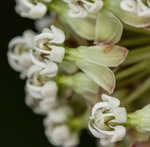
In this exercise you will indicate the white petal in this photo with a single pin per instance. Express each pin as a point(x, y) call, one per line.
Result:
point(111, 100)
point(49, 89)
point(119, 134)
point(58, 35)
point(128, 5)
point(57, 53)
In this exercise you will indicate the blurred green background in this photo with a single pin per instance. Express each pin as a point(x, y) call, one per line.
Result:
point(19, 126)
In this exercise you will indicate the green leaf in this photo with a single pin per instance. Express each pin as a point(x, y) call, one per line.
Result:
point(101, 75)
point(108, 28)
point(105, 55)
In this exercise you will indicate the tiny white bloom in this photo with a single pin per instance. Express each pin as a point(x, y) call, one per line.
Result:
point(106, 119)
point(48, 90)
point(137, 7)
point(49, 69)
point(58, 115)
point(45, 43)
point(81, 8)
point(33, 10)
point(40, 106)
point(19, 52)
point(61, 136)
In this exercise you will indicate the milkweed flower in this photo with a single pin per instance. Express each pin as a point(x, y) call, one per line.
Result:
point(62, 136)
point(19, 52)
point(106, 119)
point(81, 8)
point(56, 128)
point(47, 46)
point(40, 106)
point(37, 87)
point(59, 114)
point(135, 13)
point(139, 7)
point(31, 9)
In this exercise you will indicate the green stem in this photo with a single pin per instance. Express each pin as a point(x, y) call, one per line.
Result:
point(139, 30)
point(79, 123)
point(65, 80)
point(137, 55)
point(135, 41)
point(133, 69)
point(71, 54)
point(138, 92)
point(132, 79)
point(132, 120)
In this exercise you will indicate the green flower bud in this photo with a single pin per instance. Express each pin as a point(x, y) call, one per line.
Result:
point(140, 119)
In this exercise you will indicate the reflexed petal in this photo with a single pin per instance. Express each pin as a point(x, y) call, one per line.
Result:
point(108, 28)
point(103, 76)
point(85, 86)
point(100, 56)
point(84, 27)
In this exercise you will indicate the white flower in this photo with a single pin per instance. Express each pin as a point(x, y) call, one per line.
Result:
point(40, 106)
point(45, 44)
point(61, 136)
point(106, 119)
point(48, 90)
point(19, 52)
point(81, 8)
point(58, 115)
point(33, 10)
point(137, 7)
point(49, 69)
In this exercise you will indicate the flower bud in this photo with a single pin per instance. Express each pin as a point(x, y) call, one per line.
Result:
point(106, 119)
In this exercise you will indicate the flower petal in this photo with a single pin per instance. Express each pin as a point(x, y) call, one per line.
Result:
point(100, 56)
point(101, 75)
point(108, 28)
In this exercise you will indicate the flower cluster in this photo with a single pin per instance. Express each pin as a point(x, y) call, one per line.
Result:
point(72, 64)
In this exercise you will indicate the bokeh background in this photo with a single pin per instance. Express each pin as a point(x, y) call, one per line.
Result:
point(19, 126)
